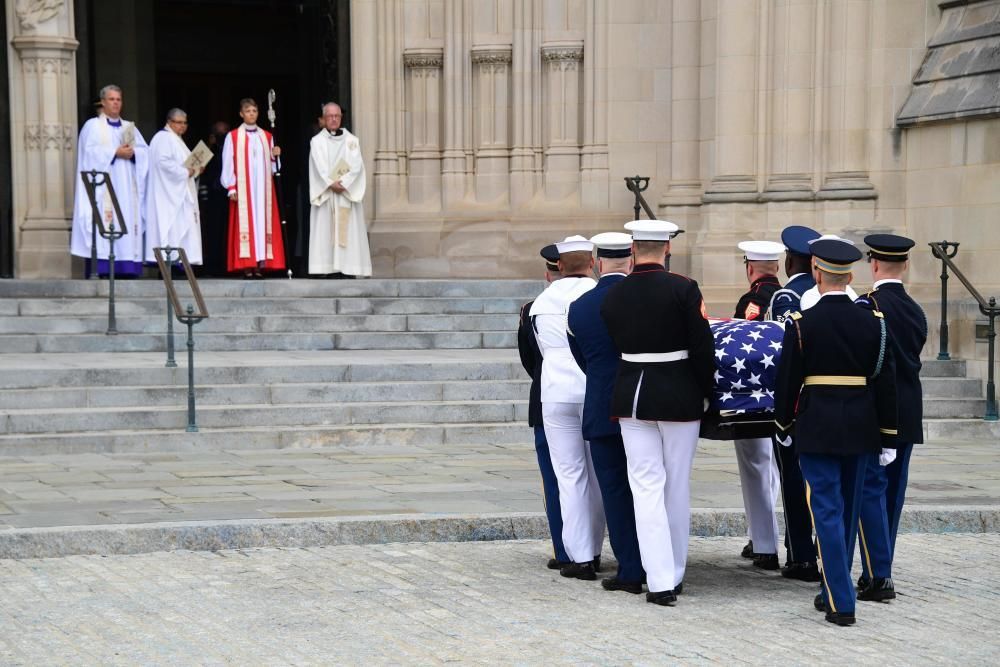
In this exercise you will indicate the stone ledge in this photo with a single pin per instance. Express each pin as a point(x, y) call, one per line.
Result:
point(256, 533)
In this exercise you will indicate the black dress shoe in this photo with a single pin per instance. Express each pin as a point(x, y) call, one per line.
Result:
point(747, 550)
point(662, 598)
point(766, 561)
point(880, 589)
point(863, 583)
point(597, 563)
point(583, 571)
point(819, 603)
point(679, 588)
point(840, 618)
point(557, 564)
point(616, 584)
point(803, 571)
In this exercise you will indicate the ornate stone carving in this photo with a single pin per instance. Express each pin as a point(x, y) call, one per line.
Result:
point(32, 12)
point(562, 52)
point(423, 58)
point(32, 137)
point(29, 65)
point(492, 55)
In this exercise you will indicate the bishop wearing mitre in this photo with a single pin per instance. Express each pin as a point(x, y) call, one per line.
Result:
point(338, 236)
point(172, 215)
point(113, 145)
point(249, 162)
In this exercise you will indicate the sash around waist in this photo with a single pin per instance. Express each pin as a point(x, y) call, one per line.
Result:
point(655, 357)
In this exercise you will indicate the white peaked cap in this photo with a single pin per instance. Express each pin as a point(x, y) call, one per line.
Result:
point(761, 251)
point(574, 243)
point(831, 237)
point(652, 230)
point(612, 240)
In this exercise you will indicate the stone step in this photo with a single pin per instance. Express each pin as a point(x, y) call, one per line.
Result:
point(959, 387)
point(144, 369)
point(127, 325)
point(934, 368)
point(17, 422)
point(423, 340)
point(266, 437)
point(953, 430)
point(258, 306)
point(59, 398)
point(218, 288)
point(954, 408)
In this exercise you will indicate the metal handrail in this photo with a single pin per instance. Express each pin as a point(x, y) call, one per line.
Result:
point(945, 251)
point(637, 185)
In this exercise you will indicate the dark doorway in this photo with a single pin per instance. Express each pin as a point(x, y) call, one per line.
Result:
point(205, 55)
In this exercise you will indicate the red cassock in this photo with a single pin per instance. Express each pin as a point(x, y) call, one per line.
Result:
point(277, 247)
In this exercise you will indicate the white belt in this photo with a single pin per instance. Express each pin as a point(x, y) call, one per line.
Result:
point(655, 357)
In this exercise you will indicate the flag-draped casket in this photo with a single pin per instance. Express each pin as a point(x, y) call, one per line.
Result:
point(746, 361)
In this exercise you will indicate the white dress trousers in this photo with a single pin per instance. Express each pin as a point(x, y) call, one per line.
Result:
point(754, 457)
point(579, 495)
point(660, 456)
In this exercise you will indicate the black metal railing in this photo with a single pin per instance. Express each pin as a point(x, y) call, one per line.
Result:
point(186, 315)
point(946, 251)
point(92, 180)
point(637, 185)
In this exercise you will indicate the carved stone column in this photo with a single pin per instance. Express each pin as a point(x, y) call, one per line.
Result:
point(594, 153)
point(390, 160)
point(736, 98)
point(423, 67)
point(791, 101)
point(454, 170)
point(526, 97)
point(685, 187)
point(848, 52)
point(562, 106)
point(43, 135)
point(491, 121)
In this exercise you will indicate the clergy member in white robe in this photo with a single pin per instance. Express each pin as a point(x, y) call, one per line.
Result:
point(172, 215)
point(338, 235)
point(111, 144)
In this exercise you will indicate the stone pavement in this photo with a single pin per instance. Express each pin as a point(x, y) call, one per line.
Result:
point(96, 489)
point(486, 603)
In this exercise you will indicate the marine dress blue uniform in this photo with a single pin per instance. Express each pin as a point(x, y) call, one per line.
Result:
point(598, 357)
point(836, 396)
point(885, 486)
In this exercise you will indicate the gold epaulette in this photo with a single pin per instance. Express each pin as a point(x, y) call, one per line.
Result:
point(796, 315)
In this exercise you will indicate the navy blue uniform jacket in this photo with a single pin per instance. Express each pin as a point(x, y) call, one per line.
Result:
point(836, 338)
point(908, 330)
point(787, 300)
point(531, 359)
point(597, 356)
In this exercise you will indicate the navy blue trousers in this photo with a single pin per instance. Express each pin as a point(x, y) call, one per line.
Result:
point(799, 545)
point(550, 490)
point(834, 485)
point(610, 467)
point(881, 507)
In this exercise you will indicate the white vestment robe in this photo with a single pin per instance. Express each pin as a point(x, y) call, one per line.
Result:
point(259, 154)
point(96, 150)
point(338, 235)
point(172, 217)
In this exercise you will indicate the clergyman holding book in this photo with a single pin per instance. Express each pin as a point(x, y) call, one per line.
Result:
point(338, 236)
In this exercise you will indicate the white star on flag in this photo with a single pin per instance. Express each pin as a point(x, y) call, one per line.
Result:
point(755, 379)
point(747, 347)
point(740, 364)
point(727, 340)
point(768, 360)
point(719, 354)
point(775, 345)
point(756, 335)
point(758, 394)
point(727, 396)
point(738, 384)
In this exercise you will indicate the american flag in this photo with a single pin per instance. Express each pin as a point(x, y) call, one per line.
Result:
point(746, 364)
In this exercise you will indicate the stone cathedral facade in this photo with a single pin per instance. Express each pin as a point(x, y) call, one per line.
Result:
point(492, 127)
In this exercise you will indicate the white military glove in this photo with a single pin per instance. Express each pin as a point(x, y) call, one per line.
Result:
point(886, 457)
point(784, 442)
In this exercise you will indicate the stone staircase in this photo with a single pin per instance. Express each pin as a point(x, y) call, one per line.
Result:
point(295, 364)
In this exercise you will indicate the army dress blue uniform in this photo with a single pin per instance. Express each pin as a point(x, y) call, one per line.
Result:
point(836, 397)
point(531, 359)
point(800, 550)
point(885, 486)
point(598, 357)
